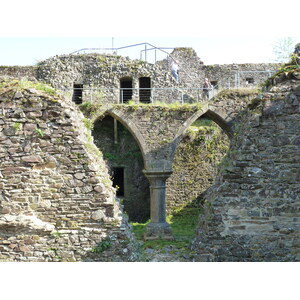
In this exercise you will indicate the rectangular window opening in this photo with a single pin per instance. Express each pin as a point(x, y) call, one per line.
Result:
point(77, 93)
point(145, 89)
point(249, 80)
point(118, 180)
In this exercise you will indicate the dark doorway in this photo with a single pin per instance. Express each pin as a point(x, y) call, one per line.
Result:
point(118, 180)
point(77, 93)
point(126, 90)
point(145, 89)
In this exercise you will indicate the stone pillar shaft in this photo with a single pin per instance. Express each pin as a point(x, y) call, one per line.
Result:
point(158, 228)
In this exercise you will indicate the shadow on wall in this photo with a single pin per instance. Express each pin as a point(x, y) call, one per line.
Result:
point(125, 162)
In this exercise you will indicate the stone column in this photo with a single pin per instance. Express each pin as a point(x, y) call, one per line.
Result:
point(158, 228)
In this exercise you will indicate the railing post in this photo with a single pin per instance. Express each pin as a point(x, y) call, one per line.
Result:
point(152, 95)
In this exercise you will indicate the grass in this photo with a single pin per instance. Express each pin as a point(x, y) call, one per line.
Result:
point(25, 84)
point(183, 223)
point(203, 123)
point(39, 86)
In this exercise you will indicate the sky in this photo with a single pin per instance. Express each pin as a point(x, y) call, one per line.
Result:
point(221, 32)
point(212, 50)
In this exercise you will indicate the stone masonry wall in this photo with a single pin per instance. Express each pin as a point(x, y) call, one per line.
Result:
point(19, 72)
point(194, 166)
point(101, 75)
point(192, 71)
point(56, 198)
point(253, 212)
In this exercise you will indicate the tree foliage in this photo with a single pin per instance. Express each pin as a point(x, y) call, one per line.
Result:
point(283, 48)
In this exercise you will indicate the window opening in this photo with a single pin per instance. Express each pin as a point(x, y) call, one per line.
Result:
point(126, 90)
point(145, 89)
point(77, 93)
point(214, 83)
point(249, 80)
point(118, 180)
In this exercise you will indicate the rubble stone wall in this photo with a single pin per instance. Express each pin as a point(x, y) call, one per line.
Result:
point(56, 197)
point(193, 71)
point(253, 212)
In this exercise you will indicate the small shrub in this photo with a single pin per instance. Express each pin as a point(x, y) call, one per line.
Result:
point(102, 246)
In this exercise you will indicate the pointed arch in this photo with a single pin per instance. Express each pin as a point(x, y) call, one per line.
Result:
point(124, 150)
point(131, 127)
point(204, 112)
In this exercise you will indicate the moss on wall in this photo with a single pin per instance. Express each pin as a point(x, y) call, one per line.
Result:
point(196, 158)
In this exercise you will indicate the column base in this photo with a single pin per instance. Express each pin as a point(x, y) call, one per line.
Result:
point(158, 231)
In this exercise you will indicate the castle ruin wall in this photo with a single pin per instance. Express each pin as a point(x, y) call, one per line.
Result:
point(56, 197)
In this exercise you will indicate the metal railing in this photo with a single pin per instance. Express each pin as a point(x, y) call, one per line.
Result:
point(145, 50)
point(115, 50)
point(238, 76)
point(141, 95)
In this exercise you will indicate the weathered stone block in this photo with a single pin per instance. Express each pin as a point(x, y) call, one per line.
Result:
point(31, 159)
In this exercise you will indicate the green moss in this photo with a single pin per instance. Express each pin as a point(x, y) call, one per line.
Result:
point(87, 123)
point(16, 85)
point(234, 93)
point(163, 106)
point(102, 246)
point(39, 132)
point(89, 109)
point(17, 126)
point(24, 84)
point(285, 71)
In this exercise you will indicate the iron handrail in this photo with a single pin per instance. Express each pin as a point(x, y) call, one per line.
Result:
point(124, 47)
point(126, 94)
point(135, 45)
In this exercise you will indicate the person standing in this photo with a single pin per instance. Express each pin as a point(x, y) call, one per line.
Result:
point(206, 88)
point(174, 70)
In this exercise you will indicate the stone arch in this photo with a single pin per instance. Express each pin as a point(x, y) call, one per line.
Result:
point(220, 121)
point(125, 167)
point(203, 112)
point(131, 127)
point(195, 160)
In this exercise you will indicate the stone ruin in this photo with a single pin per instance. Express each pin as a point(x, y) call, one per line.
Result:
point(56, 197)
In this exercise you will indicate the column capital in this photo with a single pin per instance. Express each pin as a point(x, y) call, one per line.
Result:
point(163, 174)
